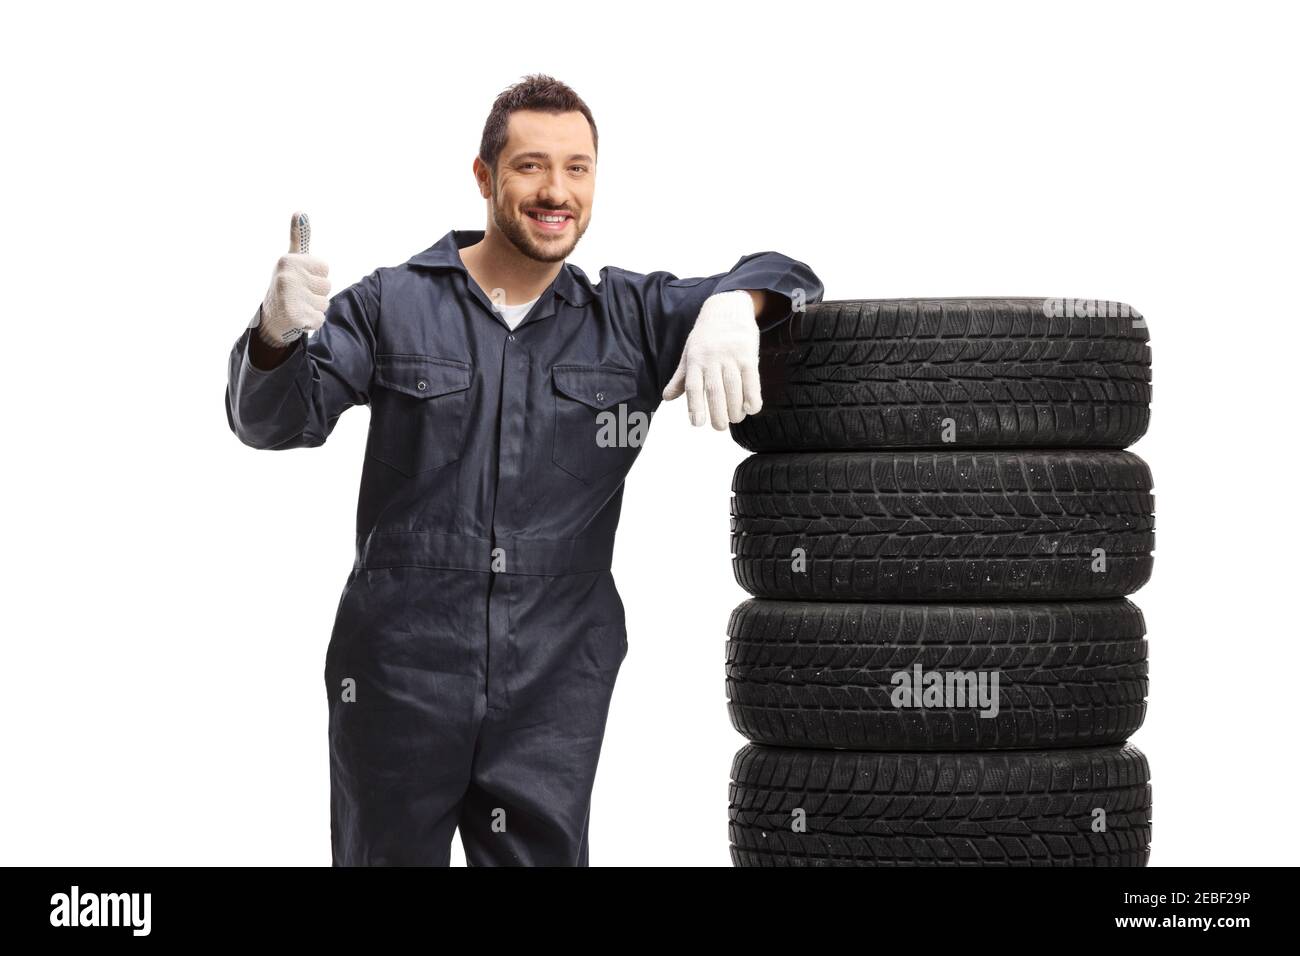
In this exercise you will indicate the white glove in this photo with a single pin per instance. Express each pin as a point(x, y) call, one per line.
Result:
point(299, 293)
point(719, 366)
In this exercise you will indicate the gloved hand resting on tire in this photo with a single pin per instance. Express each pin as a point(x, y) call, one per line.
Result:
point(719, 367)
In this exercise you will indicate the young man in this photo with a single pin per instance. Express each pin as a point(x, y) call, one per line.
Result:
point(479, 635)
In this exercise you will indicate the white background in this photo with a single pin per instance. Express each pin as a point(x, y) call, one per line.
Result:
point(169, 592)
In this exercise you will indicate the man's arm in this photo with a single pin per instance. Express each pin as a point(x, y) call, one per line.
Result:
point(292, 397)
point(669, 310)
point(260, 354)
point(666, 307)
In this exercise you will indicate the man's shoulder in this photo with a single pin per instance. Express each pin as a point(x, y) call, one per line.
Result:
point(615, 278)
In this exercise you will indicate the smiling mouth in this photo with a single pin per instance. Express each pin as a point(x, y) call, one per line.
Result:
point(549, 220)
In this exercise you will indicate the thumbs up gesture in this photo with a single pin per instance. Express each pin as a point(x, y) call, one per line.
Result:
point(299, 293)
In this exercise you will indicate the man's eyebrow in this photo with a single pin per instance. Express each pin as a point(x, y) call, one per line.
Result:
point(538, 155)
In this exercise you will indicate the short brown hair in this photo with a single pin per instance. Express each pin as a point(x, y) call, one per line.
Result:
point(536, 91)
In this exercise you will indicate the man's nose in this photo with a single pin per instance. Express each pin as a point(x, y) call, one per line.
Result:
point(554, 190)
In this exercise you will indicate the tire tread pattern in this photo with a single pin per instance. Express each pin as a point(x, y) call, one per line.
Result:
point(878, 373)
point(820, 675)
point(942, 525)
point(1009, 808)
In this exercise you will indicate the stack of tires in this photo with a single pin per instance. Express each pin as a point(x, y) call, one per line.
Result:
point(939, 527)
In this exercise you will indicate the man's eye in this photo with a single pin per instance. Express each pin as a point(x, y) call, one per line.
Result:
point(580, 168)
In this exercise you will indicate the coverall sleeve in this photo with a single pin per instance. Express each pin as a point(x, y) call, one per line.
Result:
point(668, 306)
point(297, 403)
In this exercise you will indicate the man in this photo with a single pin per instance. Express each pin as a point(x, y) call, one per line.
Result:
point(477, 641)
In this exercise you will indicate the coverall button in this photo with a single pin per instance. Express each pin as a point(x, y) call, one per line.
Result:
point(600, 396)
point(422, 385)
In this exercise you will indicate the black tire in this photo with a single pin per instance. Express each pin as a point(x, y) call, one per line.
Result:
point(1006, 808)
point(824, 675)
point(942, 525)
point(980, 373)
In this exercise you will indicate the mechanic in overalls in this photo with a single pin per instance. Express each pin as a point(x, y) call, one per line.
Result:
point(479, 634)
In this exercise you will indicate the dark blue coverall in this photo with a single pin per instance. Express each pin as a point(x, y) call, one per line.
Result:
point(479, 630)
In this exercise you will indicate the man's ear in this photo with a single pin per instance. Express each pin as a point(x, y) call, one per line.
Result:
point(482, 176)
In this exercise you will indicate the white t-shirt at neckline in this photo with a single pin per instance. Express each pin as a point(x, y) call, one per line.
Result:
point(514, 314)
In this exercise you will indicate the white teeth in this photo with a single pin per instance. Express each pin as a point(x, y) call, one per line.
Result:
point(550, 218)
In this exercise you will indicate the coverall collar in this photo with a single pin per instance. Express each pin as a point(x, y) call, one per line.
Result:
point(570, 283)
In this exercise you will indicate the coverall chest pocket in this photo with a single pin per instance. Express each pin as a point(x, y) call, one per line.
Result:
point(593, 435)
point(418, 411)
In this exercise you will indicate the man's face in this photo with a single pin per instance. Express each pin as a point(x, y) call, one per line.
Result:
point(547, 169)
